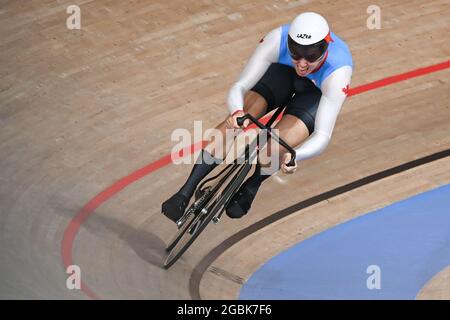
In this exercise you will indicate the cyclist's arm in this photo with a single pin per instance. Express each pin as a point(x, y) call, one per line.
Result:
point(265, 54)
point(330, 104)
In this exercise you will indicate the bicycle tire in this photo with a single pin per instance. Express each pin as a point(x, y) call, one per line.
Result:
point(218, 205)
point(194, 212)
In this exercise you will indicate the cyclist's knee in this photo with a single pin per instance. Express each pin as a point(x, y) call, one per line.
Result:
point(255, 104)
point(271, 159)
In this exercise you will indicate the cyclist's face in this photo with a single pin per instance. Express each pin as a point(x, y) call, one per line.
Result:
point(304, 67)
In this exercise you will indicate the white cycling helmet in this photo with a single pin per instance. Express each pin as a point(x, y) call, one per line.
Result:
point(308, 38)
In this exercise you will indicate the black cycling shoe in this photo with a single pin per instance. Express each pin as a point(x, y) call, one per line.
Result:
point(240, 203)
point(174, 207)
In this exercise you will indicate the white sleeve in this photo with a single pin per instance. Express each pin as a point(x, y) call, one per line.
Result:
point(265, 54)
point(330, 104)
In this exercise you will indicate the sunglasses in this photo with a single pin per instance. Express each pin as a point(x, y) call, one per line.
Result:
point(310, 53)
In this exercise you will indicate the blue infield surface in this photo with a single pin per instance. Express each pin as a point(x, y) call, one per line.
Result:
point(409, 241)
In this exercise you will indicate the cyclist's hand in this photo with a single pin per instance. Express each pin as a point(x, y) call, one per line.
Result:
point(231, 120)
point(284, 167)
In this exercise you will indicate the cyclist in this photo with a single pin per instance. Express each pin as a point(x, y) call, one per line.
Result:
point(303, 66)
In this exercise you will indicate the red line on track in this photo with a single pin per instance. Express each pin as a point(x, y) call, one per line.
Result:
point(75, 224)
point(400, 77)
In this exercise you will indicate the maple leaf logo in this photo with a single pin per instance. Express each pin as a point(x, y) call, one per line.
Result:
point(346, 90)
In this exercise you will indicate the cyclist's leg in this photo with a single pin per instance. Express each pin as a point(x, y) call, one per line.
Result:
point(274, 89)
point(298, 121)
point(290, 129)
point(254, 104)
point(215, 151)
point(294, 128)
point(277, 87)
point(293, 131)
point(211, 156)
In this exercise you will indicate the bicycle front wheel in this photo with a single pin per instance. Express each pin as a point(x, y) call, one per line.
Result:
point(195, 226)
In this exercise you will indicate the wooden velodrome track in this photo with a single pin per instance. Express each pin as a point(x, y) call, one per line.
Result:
point(81, 109)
